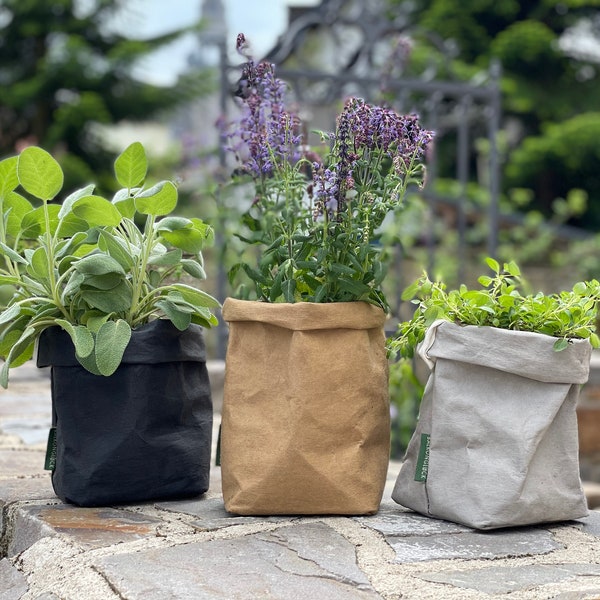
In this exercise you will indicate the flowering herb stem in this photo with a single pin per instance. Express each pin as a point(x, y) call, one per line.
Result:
point(314, 218)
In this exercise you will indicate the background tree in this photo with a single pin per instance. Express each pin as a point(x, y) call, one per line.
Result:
point(63, 69)
point(551, 88)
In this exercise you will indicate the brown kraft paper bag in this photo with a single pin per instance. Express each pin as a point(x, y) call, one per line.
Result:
point(305, 424)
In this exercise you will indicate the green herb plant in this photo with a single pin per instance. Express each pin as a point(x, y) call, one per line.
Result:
point(98, 268)
point(500, 303)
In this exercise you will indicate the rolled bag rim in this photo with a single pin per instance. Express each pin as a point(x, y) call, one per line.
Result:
point(507, 350)
point(158, 341)
point(306, 316)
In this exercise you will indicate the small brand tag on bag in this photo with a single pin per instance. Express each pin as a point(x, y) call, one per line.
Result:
point(50, 463)
point(423, 458)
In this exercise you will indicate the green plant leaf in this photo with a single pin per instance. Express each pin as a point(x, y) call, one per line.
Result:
point(8, 175)
point(98, 264)
point(159, 200)
point(81, 337)
point(9, 280)
point(71, 225)
point(124, 203)
point(166, 259)
point(97, 211)
point(38, 266)
point(115, 300)
point(68, 202)
point(172, 224)
point(34, 223)
point(89, 363)
point(110, 244)
point(131, 166)
point(180, 318)
point(11, 254)
point(190, 239)
point(17, 207)
point(111, 341)
point(39, 173)
point(108, 281)
point(195, 296)
point(24, 345)
point(513, 269)
point(10, 313)
point(193, 268)
point(560, 344)
point(493, 264)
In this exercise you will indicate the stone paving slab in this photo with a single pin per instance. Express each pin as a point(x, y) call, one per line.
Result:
point(21, 463)
point(504, 580)
point(305, 561)
point(473, 545)
point(86, 527)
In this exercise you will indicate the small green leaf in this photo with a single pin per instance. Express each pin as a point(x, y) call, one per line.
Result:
point(68, 202)
point(17, 207)
point(191, 239)
point(71, 225)
point(89, 363)
point(34, 222)
point(24, 345)
point(159, 200)
point(38, 267)
point(97, 211)
point(124, 203)
point(81, 337)
point(39, 173)
point(513, 269)
point(108, 281)
point(195, 296)
point(98, 264)
point(561, 344)
point(193, 268)
point(10, 313)
point(8, 175)
point(111, 244)
point(180, 318)
point(111, 341)
point(493, 264)
point(11, 254)
point(131, 166)
point(115, 300)
point(172, 224)
point(166, 259)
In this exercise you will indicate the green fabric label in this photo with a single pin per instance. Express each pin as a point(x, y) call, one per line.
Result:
point(50, 463)
point(423, 459)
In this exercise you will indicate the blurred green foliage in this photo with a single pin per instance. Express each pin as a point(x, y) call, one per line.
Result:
point(64, 68)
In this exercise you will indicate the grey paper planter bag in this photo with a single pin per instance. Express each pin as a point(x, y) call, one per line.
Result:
point(496, 443)
point(143, 433)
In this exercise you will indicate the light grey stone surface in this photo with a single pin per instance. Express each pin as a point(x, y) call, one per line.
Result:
point(13, 584)
point(398, 522)
point(474, 545)
point(590, 524)
point(503, 580)
point(212, 515)
point(304, 561)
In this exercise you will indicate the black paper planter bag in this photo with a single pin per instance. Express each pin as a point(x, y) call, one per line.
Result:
point(142, 433)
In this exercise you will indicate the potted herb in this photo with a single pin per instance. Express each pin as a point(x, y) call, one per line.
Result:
point(496, 440)
point(305, 425)
point(96, 288)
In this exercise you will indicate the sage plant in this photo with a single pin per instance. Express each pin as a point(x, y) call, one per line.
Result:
point(315, 214)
